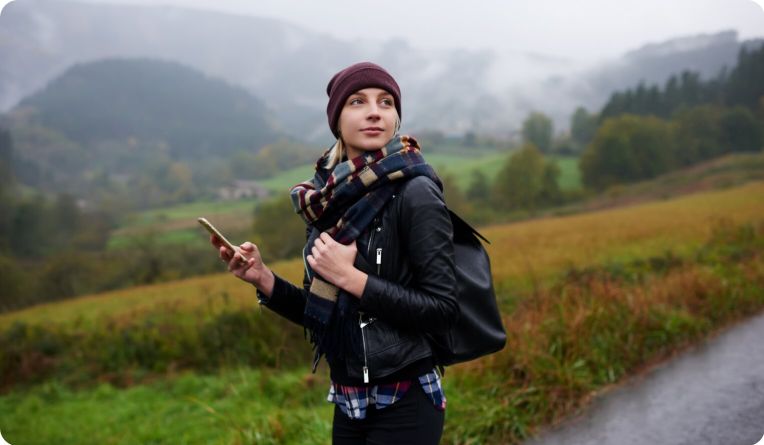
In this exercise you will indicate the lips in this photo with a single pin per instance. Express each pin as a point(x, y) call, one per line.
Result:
point(372, 129)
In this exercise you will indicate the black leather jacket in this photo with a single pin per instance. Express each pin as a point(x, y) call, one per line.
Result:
point(408, 254)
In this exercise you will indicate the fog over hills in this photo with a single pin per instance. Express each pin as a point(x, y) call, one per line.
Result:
point(288, 66)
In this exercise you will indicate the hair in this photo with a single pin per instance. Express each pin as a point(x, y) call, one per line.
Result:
point(338, 149)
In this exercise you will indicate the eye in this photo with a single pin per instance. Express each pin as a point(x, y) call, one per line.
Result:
point(355, 101)
point(387, 101)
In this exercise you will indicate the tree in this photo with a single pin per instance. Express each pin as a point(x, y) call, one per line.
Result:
point(698, 134)
point(66, 219)
point(537, 130)
point(29, 228)
point(582, 127)
point(740, 130)
point(550, 193)
point(65, 275)
point(6, 157)
point(16, 282)
point(479, 189)
point(628, 148)
point(526, 181)
point(6, 182)
point(745, 85)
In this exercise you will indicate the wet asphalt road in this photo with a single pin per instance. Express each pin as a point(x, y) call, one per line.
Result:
point(713, 394)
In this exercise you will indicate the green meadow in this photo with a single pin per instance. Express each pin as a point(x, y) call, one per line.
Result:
point(588, 300)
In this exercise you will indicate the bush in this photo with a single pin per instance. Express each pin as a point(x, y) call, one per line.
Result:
point(628, 148)
point(526, 182)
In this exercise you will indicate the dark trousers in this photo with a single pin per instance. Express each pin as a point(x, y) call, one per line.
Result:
point(411, 420)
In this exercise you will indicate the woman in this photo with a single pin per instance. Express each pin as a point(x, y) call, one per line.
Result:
point(379, 267)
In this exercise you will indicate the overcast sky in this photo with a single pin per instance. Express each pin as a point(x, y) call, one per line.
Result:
point(590, 29)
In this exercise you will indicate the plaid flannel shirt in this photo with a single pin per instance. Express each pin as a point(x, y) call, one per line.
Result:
point(354, 400)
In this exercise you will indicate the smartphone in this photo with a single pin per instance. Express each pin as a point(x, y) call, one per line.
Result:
point(210, 228)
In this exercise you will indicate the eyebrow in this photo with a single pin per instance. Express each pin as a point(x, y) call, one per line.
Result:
point(358, 93)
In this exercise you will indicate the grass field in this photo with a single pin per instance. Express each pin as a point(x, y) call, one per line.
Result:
point(541, 248)
point(177, 224)
point(588, 299)
point(237, 406)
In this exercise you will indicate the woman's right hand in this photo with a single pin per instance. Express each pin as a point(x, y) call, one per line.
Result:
point(246, 263)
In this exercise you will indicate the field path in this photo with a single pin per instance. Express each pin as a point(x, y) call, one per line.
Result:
point(713, 394)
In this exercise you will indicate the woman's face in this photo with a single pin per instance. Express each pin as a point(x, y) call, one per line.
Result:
point(367, 121)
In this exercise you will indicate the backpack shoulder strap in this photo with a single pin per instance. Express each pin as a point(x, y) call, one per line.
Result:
point(463, 227)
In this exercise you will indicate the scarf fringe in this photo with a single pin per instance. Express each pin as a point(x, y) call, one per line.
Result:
point(338, 337)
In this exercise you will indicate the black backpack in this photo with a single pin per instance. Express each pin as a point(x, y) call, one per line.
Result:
point(479, 330)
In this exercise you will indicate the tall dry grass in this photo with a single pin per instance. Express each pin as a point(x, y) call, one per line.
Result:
point(599, 324)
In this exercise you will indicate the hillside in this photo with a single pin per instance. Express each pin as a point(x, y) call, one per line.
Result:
point(106, 129)
point(588, 300)
point(720, 173)
point(186, 113)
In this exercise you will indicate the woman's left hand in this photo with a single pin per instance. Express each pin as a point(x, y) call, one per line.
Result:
point(332, 260)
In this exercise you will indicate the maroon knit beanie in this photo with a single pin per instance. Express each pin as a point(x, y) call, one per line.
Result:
point(353, 78)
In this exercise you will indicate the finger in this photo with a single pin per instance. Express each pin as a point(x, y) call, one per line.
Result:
point(325, 237)
point(311, 261)
point(233, 264)
point(247, 246)
point(236, 263)
point(225, 253)
point(240, 257)
point(315, 251)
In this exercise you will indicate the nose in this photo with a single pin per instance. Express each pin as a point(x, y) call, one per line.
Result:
point(373, 113)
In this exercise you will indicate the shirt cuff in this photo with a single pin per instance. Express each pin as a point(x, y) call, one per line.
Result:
point(278, 286)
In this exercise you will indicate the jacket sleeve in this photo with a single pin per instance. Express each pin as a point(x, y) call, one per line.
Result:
point(429, 303)
point(287, 299)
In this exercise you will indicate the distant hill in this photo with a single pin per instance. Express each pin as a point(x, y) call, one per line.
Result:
point(150, 131)
point(654, 63)
point(287, 66)
point(194, 115)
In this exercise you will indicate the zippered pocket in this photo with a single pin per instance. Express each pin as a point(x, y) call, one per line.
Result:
point(362, 324)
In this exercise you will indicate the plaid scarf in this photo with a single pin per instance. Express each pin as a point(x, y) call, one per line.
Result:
point(343, 203)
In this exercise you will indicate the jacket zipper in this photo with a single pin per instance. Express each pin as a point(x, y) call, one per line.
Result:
point(363, 324)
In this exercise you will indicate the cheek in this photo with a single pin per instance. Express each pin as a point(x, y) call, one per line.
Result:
point(347, 119)
point(390, 121)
